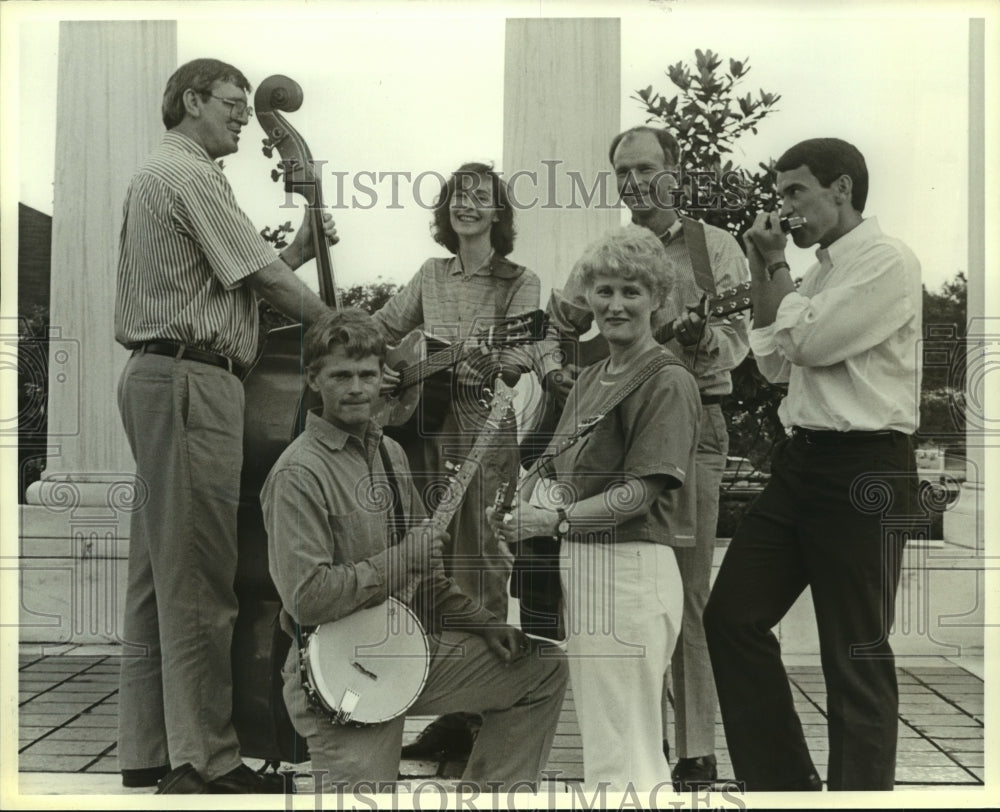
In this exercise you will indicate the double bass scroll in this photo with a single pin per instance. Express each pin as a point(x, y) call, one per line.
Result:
point(275, 95)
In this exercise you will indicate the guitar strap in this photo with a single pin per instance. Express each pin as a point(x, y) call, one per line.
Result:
point(507, 287)
point(641, 376)
point(694, 239)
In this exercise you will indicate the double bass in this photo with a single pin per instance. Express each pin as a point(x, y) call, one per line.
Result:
point(277, 400)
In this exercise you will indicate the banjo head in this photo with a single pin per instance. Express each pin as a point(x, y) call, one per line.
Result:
point(375, 660)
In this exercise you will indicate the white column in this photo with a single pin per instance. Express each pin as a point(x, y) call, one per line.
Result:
point(75, 527)
point(562, 106)
point(110, 83)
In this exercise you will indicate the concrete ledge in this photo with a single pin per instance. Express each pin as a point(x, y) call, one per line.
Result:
point(73, 574)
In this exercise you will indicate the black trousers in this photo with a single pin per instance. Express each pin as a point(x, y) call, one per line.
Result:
point(834, 517)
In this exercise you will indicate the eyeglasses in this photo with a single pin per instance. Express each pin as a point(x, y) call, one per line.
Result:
point(237, 107)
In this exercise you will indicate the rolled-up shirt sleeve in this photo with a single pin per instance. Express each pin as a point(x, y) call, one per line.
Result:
point(313, 587)
point(770, 360)
point(403, 312)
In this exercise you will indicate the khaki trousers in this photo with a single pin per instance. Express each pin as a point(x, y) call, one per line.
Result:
point(184, 422)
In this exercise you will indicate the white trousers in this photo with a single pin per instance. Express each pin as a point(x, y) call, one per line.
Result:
point(624, 604)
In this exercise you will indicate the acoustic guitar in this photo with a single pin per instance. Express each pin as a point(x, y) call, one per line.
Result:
point(425, 364)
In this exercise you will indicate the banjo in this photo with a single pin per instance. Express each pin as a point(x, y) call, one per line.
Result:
point(370, 666)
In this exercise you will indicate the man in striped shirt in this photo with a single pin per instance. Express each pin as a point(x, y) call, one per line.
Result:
point(191, 266)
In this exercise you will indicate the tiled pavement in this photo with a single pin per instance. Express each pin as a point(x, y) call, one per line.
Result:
point(69, 703)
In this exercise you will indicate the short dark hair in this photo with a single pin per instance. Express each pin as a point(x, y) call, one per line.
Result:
point(671, 150)
point(350, 328)
point(199, 75)
point(469, 175)
point(828, 159)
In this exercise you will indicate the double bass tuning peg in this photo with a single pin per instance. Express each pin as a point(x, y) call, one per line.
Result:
point(268, 148)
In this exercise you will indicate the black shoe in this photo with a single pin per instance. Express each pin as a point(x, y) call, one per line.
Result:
point(146, 777)
point(447, 738)
point(694, 773)
point(811, 783)
point(182, 781)
point(666, 750)
point(243, 780)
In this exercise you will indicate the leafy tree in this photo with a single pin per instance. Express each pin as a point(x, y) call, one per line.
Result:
point(942, 396)
point(708, 117)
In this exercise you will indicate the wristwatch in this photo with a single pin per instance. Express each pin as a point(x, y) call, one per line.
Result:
point(562, 526)
point(774, 267)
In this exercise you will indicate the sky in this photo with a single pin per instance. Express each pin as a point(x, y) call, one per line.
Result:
point(418, 88)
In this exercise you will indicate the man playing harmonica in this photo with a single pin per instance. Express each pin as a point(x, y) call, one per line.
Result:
point(841, 484)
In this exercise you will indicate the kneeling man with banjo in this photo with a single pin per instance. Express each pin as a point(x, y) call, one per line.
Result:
point(380, 629)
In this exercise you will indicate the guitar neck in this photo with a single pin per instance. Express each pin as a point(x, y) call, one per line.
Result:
point(443, 359)
point(459, 482)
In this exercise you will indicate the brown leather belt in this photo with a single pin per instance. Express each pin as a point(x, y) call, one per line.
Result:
point(177, 350)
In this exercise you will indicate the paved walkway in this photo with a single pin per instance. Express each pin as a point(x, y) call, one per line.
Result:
point(69, 704)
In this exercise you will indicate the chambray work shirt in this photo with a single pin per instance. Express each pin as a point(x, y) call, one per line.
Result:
point(846, 341)
point(186, 249)
point(725, 343)
point(327, 517)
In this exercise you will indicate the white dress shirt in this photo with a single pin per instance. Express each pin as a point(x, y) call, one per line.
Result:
point(847, 342)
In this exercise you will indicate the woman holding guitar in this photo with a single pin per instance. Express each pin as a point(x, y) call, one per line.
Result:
point(611, 487)
point(452, 298)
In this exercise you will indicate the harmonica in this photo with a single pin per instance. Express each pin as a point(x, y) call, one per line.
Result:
point(790, 224)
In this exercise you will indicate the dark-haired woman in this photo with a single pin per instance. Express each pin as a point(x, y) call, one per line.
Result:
point(452, 298)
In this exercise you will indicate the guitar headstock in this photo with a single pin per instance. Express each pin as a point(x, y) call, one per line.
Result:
point(731, 300)
point(521, 329)
point(501, 401)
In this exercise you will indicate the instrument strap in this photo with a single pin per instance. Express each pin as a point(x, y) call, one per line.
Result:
point(694, 239)
point(397, 524)
point(659, 362)
point(506, 288)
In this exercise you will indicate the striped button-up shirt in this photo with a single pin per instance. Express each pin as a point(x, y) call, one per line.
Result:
point(186, 251)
